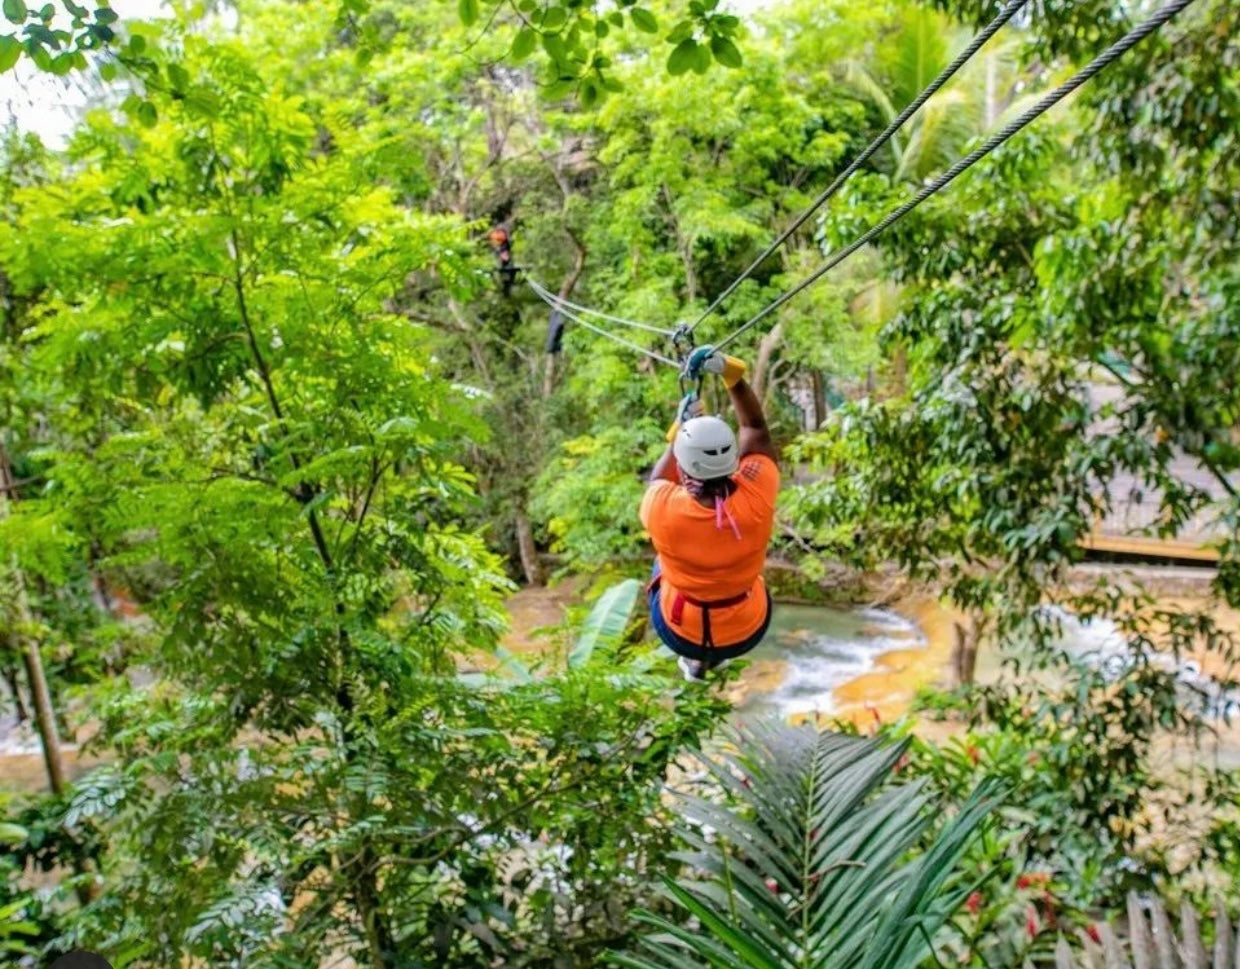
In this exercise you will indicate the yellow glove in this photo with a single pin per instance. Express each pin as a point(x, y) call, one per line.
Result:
point(731, 369)
point(689, 407)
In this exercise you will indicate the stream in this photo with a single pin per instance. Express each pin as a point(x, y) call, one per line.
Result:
point(812, 650)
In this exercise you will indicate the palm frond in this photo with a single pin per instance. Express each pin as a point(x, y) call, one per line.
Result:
point(813, 860)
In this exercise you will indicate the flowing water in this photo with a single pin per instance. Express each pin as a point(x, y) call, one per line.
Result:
point(1099, 643)
point(818, 649)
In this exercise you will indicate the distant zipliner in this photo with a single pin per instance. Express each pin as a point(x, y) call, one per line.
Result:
point(501, 245)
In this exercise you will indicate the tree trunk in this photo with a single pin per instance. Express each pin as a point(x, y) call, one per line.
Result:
point(762, 363)
point(529, 550)
point(45, 716)
point(964, 654)
point(10, 678)
point(548, 376)
point(378, 935)
point(820, 398)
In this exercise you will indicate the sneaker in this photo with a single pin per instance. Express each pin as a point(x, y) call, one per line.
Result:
point(692, 669)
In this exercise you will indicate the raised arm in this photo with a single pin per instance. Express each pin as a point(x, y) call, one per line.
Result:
point(754, 436)
point(665, 468)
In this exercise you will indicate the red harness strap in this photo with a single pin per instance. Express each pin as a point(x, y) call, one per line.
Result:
point(680, 599)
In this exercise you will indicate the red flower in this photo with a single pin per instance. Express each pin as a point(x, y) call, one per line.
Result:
point(974, 903)
point(973, 753)
point(1033, 878)
point(1093, 933)
point(773, 885)
point(1031, 921)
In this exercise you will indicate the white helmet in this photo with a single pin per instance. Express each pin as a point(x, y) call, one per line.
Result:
point(705, 448)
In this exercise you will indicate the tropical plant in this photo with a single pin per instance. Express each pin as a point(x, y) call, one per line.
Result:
point(607, 620)
point(1153, 943)
point(816, 859)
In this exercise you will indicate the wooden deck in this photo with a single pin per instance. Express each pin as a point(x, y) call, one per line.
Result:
point(1132, 524)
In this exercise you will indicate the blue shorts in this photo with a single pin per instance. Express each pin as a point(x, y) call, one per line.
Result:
point(688, 648)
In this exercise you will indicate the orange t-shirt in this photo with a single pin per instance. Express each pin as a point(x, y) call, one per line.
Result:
point(708, 562)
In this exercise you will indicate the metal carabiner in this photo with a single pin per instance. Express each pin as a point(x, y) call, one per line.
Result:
point(682, 340)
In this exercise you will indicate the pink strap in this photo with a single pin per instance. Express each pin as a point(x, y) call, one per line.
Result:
point(721, 509)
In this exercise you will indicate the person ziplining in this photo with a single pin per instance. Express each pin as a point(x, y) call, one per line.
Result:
point(709, 509)
point(708, 602)
point(501, 246)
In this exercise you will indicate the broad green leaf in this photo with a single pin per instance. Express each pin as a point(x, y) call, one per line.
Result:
point(15, 11)
point(682, 31)
point(178, 76)
point(560, 88)
point(554, 18)
point(467, 10)
point(147, 114)
point(644, 20)
point(39, 54)
point(12, 834)
point(606, 621)
point(683, 57)
point(701, 59)
point(589, 92)
point(726, 52)
point(10, 51)
point(524, 43)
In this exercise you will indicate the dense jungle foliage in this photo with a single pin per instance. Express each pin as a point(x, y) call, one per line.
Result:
point(277, 441)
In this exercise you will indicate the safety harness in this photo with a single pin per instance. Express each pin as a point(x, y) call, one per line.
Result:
point(680, 600)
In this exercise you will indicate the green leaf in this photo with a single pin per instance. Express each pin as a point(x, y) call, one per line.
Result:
point(178, 76)
point(15, 10)
point(12, 834)
point(467, 10)
point(39, 54)
point(147, 114)
point(601, 29)
point(137, 44)
point(106, 15)
point(10, 51)
point(682, 57)
point(607, 620)
point(561, 87)
point(644, 20)
point(726, 52)
point(701, 59)
point(589, 93)
point(682, 31)
point(108, 71)
point(554, 18)
point(524, 43)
